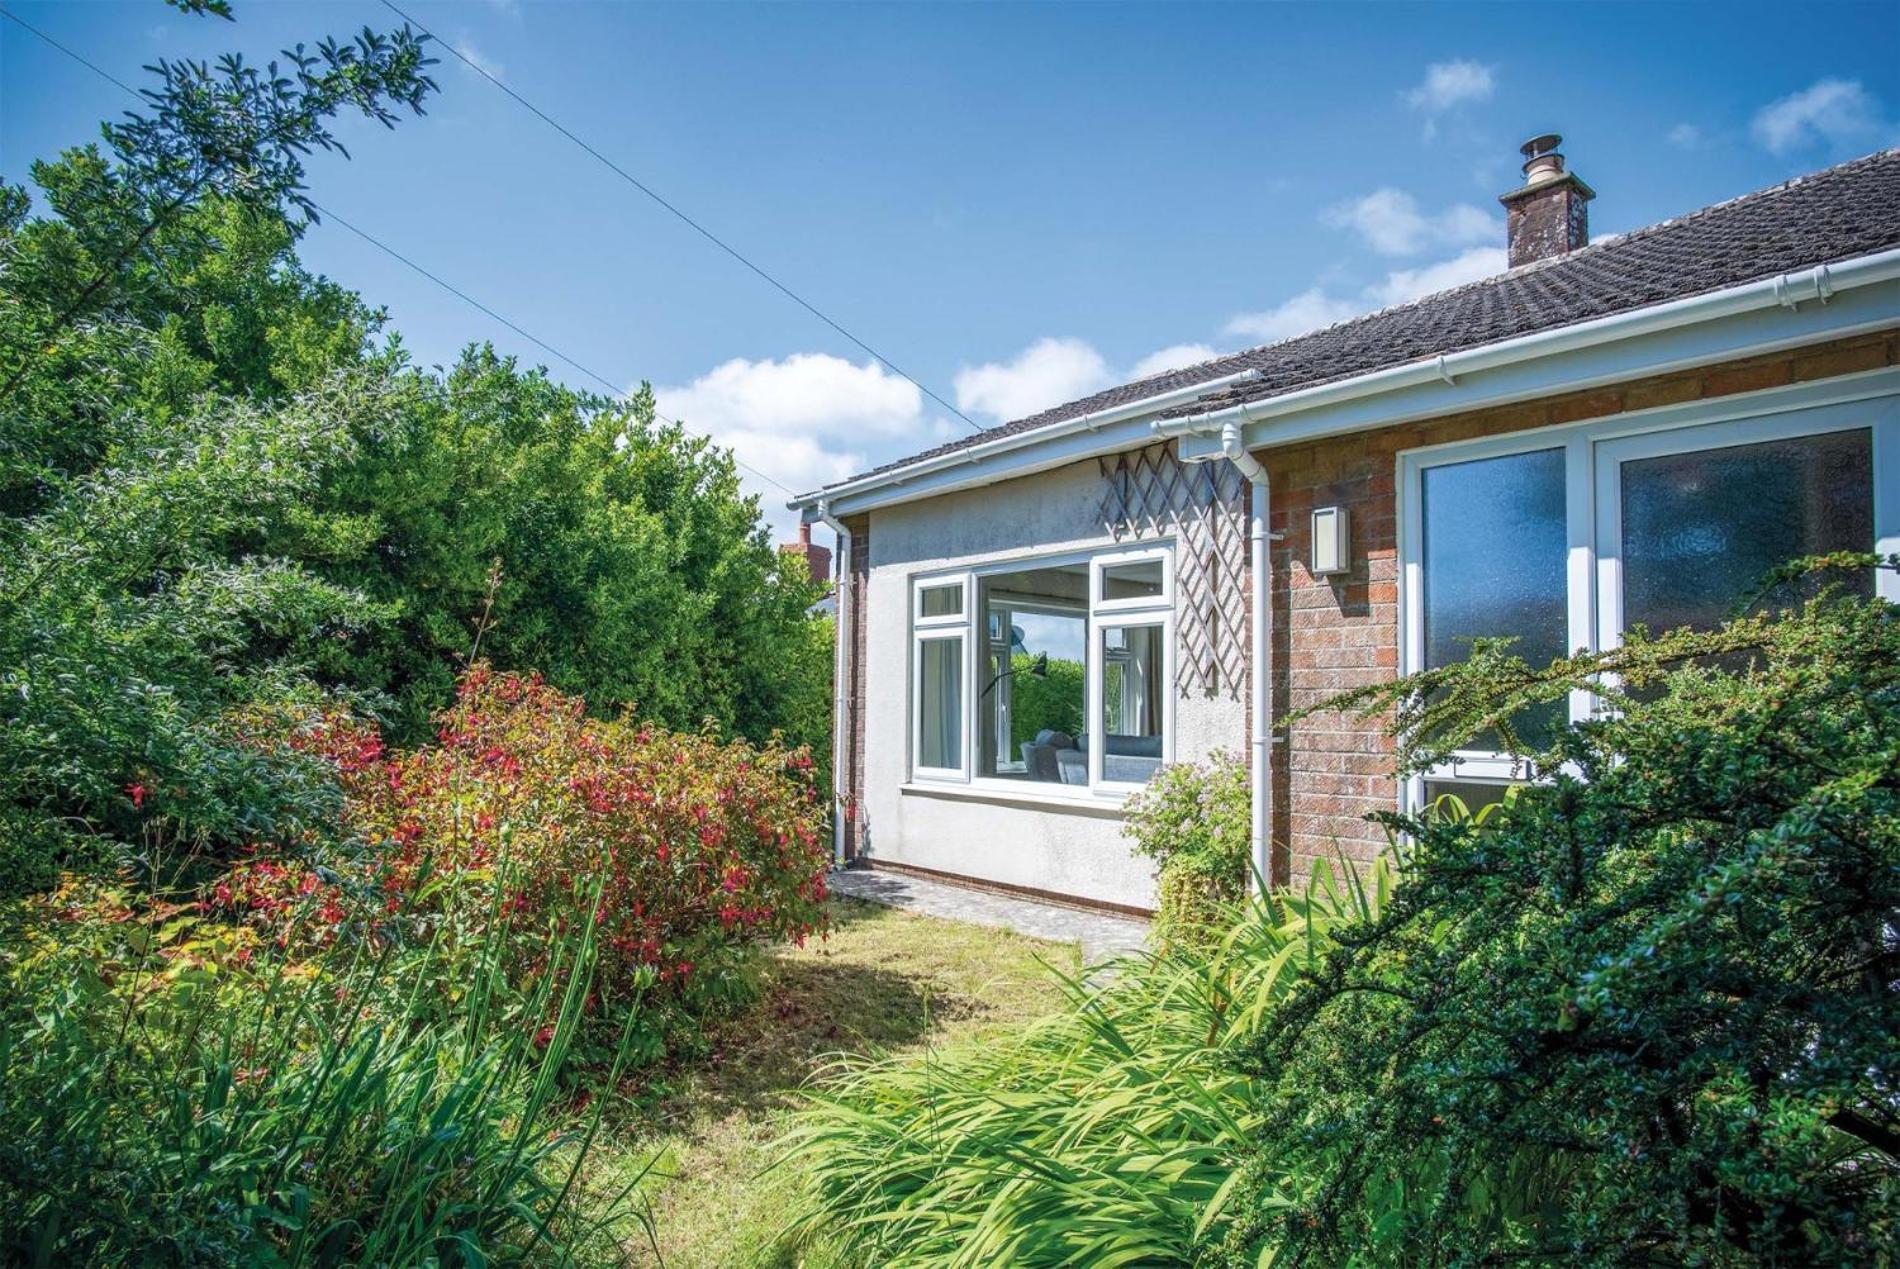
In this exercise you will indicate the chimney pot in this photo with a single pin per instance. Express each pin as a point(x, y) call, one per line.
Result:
point(1546, 216)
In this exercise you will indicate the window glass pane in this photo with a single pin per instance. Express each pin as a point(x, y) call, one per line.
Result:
point(940, 703)
point(1133, 702)
point(1474, 794)
point(940, 601)
point(1032, 683)
point(1138, 579)
point(1493, 556)
point(1701, 529)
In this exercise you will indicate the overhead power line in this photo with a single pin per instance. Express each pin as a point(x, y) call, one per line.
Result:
point(685, 219)
point(618, 392)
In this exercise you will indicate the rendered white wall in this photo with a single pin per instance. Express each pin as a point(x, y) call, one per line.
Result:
point(1074, 851)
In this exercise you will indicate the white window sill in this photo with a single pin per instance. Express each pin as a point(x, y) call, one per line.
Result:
point(1006, 793)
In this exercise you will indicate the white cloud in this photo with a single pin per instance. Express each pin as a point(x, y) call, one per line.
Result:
point(1048, 372)
point(1308, 311)
point(1391, 223)
point(811, 392)
point(1173, 357)
point(1837, 112)
point(1449, 84)
point(487, 65)
point(1684, 136)
point(805, 421)
point(1401, 285)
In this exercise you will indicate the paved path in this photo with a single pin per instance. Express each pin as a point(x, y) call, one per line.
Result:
point(1101, 934)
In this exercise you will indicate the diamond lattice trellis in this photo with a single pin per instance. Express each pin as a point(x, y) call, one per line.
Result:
point(1151, 493)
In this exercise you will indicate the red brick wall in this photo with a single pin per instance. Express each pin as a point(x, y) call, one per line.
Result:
point(1339, 632)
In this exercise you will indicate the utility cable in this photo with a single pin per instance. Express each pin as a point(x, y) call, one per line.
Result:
point(685, 219)
point(617, 392)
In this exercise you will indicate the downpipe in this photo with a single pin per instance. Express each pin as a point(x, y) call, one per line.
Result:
point(840, 677)
point(1259, 561)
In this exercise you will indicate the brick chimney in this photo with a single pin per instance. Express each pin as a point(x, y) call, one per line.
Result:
point(817, 558)
point(1548, 215)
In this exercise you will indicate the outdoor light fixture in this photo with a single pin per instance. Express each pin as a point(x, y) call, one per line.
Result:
point(1332, 541)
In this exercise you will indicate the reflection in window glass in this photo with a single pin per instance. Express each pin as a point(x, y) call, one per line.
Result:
point(1133, 687)
point(940, 703)
point(1493, 555)
point(1137, 579)
point(1476, 795)
point(940, 601)
point(1032, 685)
point(1701, 529)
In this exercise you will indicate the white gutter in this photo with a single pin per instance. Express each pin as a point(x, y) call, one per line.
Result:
point(1260, 746)
point(1090, 422)
point(840, 673)
point(1787, 290)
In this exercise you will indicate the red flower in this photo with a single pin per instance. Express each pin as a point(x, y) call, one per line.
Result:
point(136, 792)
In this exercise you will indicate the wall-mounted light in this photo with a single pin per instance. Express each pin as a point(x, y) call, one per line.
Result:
point(1332, 541)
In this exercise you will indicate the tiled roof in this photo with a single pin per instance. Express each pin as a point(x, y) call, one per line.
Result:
point(1835, 214)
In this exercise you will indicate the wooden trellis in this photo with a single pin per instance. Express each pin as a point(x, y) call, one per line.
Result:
point(1150, 493)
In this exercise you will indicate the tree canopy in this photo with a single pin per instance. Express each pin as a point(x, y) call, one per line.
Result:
point(224, 477)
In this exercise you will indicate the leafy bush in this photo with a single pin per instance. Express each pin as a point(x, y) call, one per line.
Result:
point(172, 1095)
point(703, 850)
point(1195, 821)
point(1106, 1134)
point(1648, 1012)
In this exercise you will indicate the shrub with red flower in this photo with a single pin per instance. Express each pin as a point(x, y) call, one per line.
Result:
point(527, 817)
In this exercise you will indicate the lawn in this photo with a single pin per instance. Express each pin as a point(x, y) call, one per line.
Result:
point(883, 981)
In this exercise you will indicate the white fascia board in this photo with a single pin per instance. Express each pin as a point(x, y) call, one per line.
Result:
point(1006, 457)
point(1812, 306)
point(908, 485)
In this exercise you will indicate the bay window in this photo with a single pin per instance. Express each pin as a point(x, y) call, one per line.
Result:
point(1065, 688)
point(1565, 537)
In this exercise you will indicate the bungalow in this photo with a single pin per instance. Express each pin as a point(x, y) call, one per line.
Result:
point(1035, 618)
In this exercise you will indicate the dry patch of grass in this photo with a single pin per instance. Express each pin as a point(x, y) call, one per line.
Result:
point(884, 981)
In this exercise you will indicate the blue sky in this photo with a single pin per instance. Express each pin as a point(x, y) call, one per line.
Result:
point(1017, 205)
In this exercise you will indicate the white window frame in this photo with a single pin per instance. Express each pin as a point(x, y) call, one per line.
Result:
point(926, 630)
point(972, 626)
point(920, 585)
point(1100, 564)
point(1594, 452)
point(1106, 614)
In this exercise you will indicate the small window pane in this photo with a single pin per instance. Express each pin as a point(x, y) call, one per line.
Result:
point(1138, 579)
point(1700, 530)
point(940, 601)
point(940, 703)
point(1494, 566)
point(1133, 702)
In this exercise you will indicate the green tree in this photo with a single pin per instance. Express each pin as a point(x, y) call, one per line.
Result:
point(155, 422)
point(163, 294)
point(634, 570)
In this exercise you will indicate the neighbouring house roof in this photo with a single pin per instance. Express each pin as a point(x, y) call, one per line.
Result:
point(1835, 214)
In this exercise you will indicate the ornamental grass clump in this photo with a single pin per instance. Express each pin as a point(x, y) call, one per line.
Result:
point(175, 1093)
point(1106, 1134)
